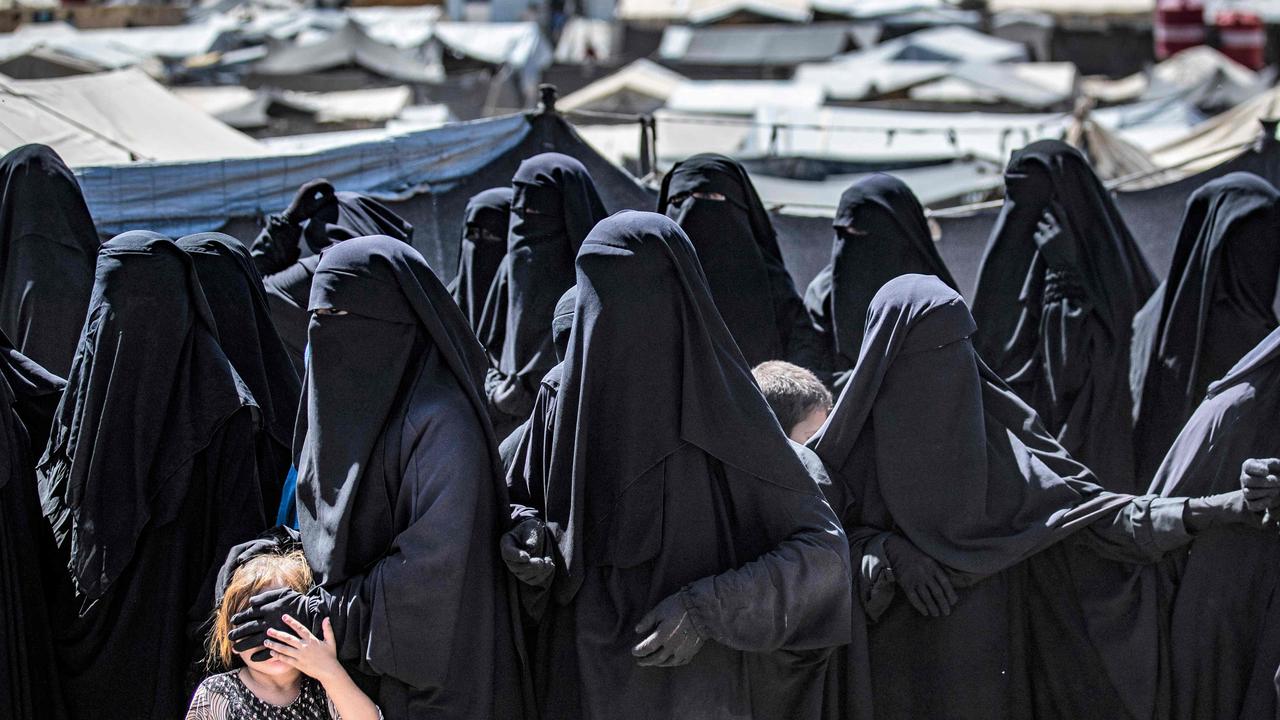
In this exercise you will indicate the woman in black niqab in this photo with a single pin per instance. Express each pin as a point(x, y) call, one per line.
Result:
point(1061, 280)
point(1224, 590)
point(400, 497)
point(554, 205)
point(971, 492)
point(322, 218)
point(484, 244)
point(29, 685)
point(149, 478)
point(880, 233)
point(712, 199)
point(676, 503)
point(1216, 305)
point(47, 249)
point(246, 334)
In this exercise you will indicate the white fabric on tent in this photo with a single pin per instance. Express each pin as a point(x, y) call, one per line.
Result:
point(743, 97)
point(642, 77)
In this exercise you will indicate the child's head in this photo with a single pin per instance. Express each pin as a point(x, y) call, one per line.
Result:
point(798, 398)
point(257, 575)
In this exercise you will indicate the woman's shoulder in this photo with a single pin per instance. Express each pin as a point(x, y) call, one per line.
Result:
point(213, 697)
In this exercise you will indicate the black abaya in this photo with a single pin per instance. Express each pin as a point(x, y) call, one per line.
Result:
point(484, 244)
point(738, 250)
point(29, 686)
point(677, 482)
point(554, 205)
point(1055, 310)
point(250, 341)
point(1213, 308)
point(1223, 642)
point(880, 233)
point(979, 488)
point(148, 480)
point(287, 279)
point(400, 499)
point(47, 249)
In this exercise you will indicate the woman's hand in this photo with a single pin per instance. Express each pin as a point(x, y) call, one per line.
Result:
point(312, 656)
point(924, 581)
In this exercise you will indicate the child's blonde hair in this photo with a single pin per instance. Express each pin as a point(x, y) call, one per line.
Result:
point(256, 575)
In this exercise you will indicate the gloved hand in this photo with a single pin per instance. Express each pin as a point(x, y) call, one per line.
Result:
point(266, 611)
point(921, 578)
point(1260, 480)
point(522, 550)
point(1224, 509)
point(672, 639)
point(310, 198)
point(1047, 229)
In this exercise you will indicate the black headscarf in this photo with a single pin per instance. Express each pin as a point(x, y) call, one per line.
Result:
point(47, 249)
point(1215, 305)
point(478, 255)
point(1055, 320)
point(554, 205)
point(979, 487)
point(353, 215)
point(149, 388)
point(738, 250)
point(247, 335)
point(644, 314)
point(880, 233)
point(400, 499)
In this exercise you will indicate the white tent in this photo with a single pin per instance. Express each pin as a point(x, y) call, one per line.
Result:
point(743, 97)
point(641, 86)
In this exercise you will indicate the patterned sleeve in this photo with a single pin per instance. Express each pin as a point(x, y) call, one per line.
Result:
point(333, 711)
point(207, 704)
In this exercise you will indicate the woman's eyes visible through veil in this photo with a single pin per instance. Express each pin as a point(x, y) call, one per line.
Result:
point(329, 311)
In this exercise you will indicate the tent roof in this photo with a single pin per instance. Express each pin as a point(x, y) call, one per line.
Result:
point(1031, 85)
point(753, 45)
point(642, 77)
point(1225, 133)
point(349, 45)
point(743, 97)
point(113, 117)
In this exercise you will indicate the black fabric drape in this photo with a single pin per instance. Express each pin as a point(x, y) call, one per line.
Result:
point(484, 244)
point(1223, 641)
point(1055, 313)
point(1215, 305)
point(554, 205)
point(249, 339)
point(400, 500)
point(287, 278)
point(880, 233)
point(677, 480)
point(47, 249)
point(29, 680)
point(979, 488)
point(149, 478)
point(738, 250)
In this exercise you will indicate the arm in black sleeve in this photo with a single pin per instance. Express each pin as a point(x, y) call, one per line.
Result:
point(277, 246)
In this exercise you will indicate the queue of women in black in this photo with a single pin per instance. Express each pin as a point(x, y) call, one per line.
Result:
point(555, 489)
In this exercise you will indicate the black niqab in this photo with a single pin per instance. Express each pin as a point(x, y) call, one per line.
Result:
point(1055, 319)
point(400, 501)
point(880, 233)
point(47, 249)
point(246, 334)
point(484, 244)
point(1213, 308)
point(738, 250)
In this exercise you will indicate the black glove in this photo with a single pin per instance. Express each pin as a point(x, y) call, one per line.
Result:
point(266, 611)
point(672, 638)
point(1047, 229)
point(1260, 480)
point(310, 198)
point(1225, 509)
point(524, 551)
point(924, 581)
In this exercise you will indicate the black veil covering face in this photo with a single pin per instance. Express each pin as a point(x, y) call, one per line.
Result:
point(676, 483)
point(553, 206)
point(1224, 634)
point(928, 445)
point(880, 233)
point(1213, 308)
point(47, 249)
point(400, 499)
point(287, 280)
point(484, 244)
point(738, 250)
point(249, 339)
point(29, 685)
point(1055, 308)
point(149, 478)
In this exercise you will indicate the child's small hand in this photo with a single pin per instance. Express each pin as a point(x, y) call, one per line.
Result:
point(312, 656)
